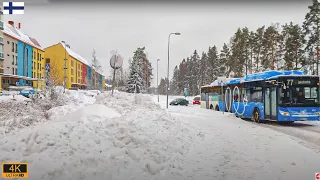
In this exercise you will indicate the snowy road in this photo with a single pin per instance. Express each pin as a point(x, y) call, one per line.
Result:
point(238, 149)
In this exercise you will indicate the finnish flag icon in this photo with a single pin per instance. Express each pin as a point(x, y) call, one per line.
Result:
point(13, 7)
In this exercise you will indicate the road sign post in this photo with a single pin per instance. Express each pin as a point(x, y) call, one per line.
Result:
point(116, 62)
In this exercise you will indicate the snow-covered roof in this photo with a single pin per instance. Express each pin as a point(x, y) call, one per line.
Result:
point(75, 55)
point(20, 36)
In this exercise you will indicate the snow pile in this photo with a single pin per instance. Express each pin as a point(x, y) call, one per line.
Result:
point(17, 111)
point(111, 139)
point(147, 136)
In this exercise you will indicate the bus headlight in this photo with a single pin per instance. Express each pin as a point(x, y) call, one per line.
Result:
point(317, 113)
point(284, 113)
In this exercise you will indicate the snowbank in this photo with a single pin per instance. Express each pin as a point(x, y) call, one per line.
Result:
point(111, 139)
point(17, 111)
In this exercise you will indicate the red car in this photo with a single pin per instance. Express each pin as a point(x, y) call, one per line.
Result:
point(196, 100)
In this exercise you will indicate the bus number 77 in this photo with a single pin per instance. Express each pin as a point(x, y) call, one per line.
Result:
point(289, 82)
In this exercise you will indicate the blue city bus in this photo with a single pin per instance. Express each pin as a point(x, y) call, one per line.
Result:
point(282, 96)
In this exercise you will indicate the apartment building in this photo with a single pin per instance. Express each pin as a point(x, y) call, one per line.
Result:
point(19, 58)
point(77, 72)
point(1, 48)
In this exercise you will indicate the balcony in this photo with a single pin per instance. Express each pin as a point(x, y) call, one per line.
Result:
point(1, 25)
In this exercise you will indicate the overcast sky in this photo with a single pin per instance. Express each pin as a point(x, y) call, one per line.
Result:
point(124, 27)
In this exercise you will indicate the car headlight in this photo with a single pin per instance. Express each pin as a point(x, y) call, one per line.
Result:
point(284, 113)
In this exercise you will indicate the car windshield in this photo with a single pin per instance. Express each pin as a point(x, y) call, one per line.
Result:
point(197, 98)
point(299, 96)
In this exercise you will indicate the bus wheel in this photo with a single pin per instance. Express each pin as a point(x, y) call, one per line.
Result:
point(256, 115)
point(217, 108)
point(211, 107)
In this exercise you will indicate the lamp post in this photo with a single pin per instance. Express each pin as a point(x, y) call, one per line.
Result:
point(168, 88)
point(157, 80)
point(65, 66)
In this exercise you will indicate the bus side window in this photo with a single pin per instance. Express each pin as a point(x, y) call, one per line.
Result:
point(248, 93)
point(235, 96)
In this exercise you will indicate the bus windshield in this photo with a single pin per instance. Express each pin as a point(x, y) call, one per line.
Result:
point(295, 96)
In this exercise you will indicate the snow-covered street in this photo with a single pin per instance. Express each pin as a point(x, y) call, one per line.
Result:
point(123, 137)
point(236, 149)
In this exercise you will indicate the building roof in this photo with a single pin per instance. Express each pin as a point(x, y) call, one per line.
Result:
point(75, 55)
point(20, 36)
point(79, 57)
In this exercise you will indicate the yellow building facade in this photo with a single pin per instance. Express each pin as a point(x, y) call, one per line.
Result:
point(38, 68)
point(55, 56)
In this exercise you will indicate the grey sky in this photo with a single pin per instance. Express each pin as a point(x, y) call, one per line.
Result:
point(125, 27)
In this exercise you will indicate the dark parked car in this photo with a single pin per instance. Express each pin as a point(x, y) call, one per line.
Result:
point(179, 101)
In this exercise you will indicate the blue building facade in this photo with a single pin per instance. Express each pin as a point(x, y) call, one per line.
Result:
point(24, 62)
point(89, 75)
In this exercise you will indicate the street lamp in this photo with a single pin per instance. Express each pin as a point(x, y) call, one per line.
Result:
point(65, 66)
point(157, 80)
point(168, 88)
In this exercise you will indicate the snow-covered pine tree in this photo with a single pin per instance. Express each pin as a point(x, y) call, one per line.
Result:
point(182, 75)
point(135, 82)
point(203, 69)
point(223, 58)
point(175, 81)
point(195, 77)
point(144, 68)
point(212, 63)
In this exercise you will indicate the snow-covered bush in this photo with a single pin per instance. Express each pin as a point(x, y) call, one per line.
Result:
point(18, 114)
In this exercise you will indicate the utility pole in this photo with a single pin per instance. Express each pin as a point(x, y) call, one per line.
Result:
point(168, 87)
point(157, 80)
point(65, 67)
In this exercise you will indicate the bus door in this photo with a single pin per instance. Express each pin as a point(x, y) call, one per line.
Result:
point(207, 100)
point(270, 103)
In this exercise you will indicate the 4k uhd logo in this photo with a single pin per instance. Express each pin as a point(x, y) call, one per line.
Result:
point(317, 176)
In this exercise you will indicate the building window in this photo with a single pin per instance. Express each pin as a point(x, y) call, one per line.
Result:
point(71, 79)
point(40, 57)
point(38, 66)
point(12, 59)
point(16, 71)
point(72, 63)
point(13, 71)
point(16, 48)
point(72, 72)
point(34, 55)
point(12, 46)
point(79, 73)
point(16, 60)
